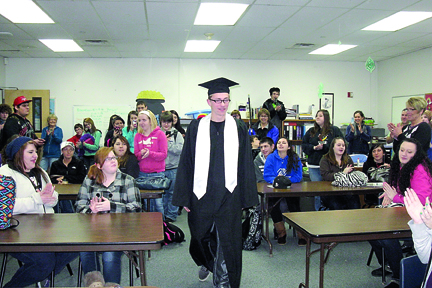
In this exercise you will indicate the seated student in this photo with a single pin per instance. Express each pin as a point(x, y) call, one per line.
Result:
point(78, 128)
point(264, 128)
point(266, 148)
point(255, 143)
point(67, 169)
point(127, 161)
point(337, 160)
point(118, 125)
point(175, 147)
point(34, 195)
point(409, 169)
point(106, 190)
point(284, 161)
point(376, 159)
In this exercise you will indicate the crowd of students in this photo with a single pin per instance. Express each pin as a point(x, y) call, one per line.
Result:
point(141, 148)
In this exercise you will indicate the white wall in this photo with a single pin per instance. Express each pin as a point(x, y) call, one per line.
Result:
point(109, 81)
point(410, 74)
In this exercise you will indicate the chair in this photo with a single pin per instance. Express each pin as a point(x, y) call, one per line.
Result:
point(362, 158)
point(411, 272)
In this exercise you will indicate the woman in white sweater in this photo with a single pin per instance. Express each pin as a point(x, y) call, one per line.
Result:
point(34, 195)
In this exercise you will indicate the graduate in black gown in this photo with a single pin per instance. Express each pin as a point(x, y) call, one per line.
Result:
point(215, 180)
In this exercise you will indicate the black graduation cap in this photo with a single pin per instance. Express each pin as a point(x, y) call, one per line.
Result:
point(219, 85)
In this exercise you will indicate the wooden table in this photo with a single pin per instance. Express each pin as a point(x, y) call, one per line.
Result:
point(325, 227)
point(304, 189)
point(86, 232)
point(70, 192)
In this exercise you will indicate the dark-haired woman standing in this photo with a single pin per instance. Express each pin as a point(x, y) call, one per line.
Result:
point(316, 143)
point(358, 135)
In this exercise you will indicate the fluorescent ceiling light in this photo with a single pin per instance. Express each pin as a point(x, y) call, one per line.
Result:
point(398, 21)
point(201, 45)
point(61, 45)
point(332, 49)
point(219, 13)
point(23, 11)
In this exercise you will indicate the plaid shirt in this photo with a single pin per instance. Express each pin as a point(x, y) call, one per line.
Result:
point(123, 194)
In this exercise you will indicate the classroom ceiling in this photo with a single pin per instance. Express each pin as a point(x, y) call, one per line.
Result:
point(269, 30)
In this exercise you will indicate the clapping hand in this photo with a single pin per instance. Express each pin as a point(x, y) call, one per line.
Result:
point(348, 169)
point(99, 204)
point(388, 195)
point(47, 194)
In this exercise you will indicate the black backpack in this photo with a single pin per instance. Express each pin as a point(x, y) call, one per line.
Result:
point(252, 229)
point(172, 233)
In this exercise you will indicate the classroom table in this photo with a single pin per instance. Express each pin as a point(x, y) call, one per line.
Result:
point(70, 192)
point(329, 227)
point(304, 189)
point(77, 232)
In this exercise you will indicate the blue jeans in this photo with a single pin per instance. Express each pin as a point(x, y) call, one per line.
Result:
point(46, 163)
point(64, 206)
point(392, 251)
point(156, 205)
point(170, 210)
point(111, 264)
point(315, 175)
point(38, 266)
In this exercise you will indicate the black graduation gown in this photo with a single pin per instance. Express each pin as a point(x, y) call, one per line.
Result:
point(218, 205)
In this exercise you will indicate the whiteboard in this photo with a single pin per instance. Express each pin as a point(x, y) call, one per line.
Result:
point(100, 114)
point(398, 104)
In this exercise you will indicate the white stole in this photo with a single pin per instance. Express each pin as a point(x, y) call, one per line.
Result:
point(202, 155)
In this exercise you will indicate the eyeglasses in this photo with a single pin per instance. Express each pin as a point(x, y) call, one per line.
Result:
point(111, 158)
point(219, 101)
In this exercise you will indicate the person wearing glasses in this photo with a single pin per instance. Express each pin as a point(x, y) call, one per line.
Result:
point(419, 130)
point(215, 180)
point(106, 190)
point(264, 128)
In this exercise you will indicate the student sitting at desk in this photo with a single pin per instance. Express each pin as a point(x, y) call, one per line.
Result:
point(106, 190)
point(127, 161)
point(337, 160)
point(34, 195)
point(411, 169)
point(284, 161)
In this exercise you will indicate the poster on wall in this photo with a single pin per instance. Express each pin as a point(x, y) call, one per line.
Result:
point(327, 102)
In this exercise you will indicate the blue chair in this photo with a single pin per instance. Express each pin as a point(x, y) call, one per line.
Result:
point(362, 158)
point(411, 272)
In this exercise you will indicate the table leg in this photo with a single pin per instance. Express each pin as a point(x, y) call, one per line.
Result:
point(265, 211)
point(148, 210)
point(321, 277)
point(142, 268)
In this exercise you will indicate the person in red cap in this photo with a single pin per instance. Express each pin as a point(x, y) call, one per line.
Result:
point(17, 123)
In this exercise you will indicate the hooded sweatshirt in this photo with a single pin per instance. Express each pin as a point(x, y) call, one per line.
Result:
point(157, 144)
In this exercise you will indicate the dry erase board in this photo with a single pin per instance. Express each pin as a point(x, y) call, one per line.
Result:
point(100, 114)
point(398, 104)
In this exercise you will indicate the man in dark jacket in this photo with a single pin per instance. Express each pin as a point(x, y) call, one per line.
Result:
point(67, 170)
point(215, 180)
point(17, 123)
point(275, 107)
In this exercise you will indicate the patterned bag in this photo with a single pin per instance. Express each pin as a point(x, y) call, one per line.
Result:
point(353, 179)
point(7, 202)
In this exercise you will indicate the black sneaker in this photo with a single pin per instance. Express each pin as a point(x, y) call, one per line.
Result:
point(203, 273)
point(378, 272)
point(393, 284)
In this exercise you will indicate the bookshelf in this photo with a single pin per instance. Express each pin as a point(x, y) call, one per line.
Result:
point(294, 130)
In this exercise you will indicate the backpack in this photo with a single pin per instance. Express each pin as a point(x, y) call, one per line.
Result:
point(252, 229)
point(7, 202)
point(172, 233)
